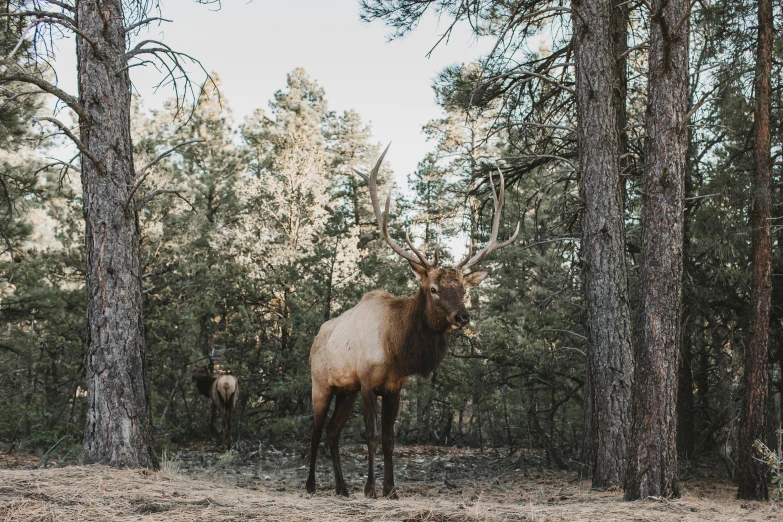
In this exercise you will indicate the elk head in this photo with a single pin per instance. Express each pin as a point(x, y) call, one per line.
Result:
point(444, 288)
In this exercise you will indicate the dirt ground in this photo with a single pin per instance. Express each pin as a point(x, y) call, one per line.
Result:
point(435, 484)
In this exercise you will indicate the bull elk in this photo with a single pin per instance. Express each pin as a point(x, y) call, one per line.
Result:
point(376, 346)
point(223, 391)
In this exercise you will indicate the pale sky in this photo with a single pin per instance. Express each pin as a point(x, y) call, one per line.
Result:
point(252, 46)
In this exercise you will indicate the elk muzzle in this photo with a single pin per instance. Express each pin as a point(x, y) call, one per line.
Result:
point(460, 319)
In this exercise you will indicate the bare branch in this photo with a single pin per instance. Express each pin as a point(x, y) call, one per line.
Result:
point(144, 22)
point(45, 17)
point(544, 126)
point(642, 45)
point(146, 199)
point(175, 71)
point(142, 63)
point(12, 96)
point(447, 34)
point(65, 6)
point(55, 162)
point(42, 84)
point(39, 14)
point(529, 75)
point(81, 146)
point(71, 26)
point(551, 156)
point(143, 171)
point(540, 12)
point(695, 108)
point(163, 155)
point(580, 336)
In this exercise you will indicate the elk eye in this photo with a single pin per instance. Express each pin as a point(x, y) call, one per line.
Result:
point(434, 290)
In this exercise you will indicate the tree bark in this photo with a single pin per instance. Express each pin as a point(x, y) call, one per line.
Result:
point(652, 452)
point(600, 80)
point(751, 474)
point(118, 430)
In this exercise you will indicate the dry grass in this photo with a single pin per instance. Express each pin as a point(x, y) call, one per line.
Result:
point(435, 485)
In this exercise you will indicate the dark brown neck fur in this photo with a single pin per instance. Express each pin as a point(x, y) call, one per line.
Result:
point(204, 382)
point(418, 337)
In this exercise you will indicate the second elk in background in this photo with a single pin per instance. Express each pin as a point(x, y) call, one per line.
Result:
point(223, 391)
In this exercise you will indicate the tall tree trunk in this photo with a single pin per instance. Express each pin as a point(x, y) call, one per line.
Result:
point(600, 94)
point(118, 430)
point(652, 452)
point(751, 474)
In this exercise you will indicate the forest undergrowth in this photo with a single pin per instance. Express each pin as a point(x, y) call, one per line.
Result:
point(435, 483)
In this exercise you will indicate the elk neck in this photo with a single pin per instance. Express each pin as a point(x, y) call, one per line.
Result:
point(418, 338)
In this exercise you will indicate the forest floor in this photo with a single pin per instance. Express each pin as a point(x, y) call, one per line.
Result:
point(435, 484)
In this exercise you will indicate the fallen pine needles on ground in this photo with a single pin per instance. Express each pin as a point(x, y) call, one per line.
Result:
point(98, 493)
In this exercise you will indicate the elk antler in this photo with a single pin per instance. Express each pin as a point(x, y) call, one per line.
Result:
point(492, 245)
point(383, 218)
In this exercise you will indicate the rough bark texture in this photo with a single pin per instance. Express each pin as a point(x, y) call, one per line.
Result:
point(652, 452)
point(118, 429)
point(751, 474)
point(600, 104)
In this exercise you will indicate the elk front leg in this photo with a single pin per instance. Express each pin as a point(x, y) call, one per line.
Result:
point(342, 410)
point(370, 421)
point(321, 402)
point(390, 407)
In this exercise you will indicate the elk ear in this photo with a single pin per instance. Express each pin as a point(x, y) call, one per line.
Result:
point(474, 278)
point(420, 271)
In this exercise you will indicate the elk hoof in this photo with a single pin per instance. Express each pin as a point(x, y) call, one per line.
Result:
point(390, 493)
point(342, 490)
point(310, 485)
point(369, 491)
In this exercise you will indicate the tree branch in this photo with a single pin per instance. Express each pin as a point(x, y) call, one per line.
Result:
point(163, 155)
point(146, 199)
point(580, 336)
point(56, 162)
point(46, 17)
point(142, 173)
point(42, 84)
point(695, 108)
point(81, 146)
point(39, 14)
point(144, 22)
point(65, 6)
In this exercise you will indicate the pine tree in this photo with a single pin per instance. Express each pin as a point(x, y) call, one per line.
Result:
point(601, 119)
point(652, 450)
point(752, 473)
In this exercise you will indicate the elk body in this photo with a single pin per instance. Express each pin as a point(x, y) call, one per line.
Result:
point(223, 391)
point(376, 346)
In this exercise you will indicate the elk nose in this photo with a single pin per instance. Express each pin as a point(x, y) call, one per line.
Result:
point(462, 318)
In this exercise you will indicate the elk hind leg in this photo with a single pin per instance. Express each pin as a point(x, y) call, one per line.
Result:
point(321, 402)
point(213, 433)
point(390, 407)
point(342, 410)
point(370, 421)
point(226, 429)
